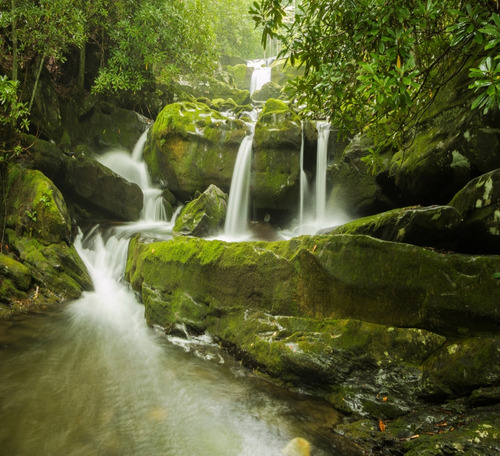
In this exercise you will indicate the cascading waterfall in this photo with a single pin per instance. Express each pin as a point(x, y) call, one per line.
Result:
point(304, 186)
point(321, 169)
point(261, 74)
point(235, 226)
point(96, 380)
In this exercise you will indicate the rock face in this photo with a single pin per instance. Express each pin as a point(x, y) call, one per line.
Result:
point(276, 166)
point(479, 204)
point(204, 216)
point(38, 259)
point(191, 147)
point(99, 193)
point(379, 329)
point(434, 226)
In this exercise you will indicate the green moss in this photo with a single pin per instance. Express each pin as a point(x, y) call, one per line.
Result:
point(15, 271)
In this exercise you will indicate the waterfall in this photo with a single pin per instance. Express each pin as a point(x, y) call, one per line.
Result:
point(132, 167)
point(304, 185)
point(261, 74)
point(321, 169)
point(238, 204)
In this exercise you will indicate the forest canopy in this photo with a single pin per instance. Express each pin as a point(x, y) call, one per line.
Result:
point(111, 46)
point(380, 64)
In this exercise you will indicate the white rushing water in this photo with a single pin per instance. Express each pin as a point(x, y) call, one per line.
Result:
point(261, 74)
point(93, 379)
point(321, 169)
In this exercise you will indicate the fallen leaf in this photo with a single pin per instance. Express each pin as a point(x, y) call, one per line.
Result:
point(315, 247)
point(381, 425)
point(416, 436)
point(441, 424)
point(385, 398)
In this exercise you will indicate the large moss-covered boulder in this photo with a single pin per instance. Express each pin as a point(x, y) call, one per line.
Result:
point(276, 165)
point(366, 323)
point(267, 91)
point(38, 264)
point(241, 75)
point(479, 204)
point(205, 215)
point(433, 226)
point(329, 276)
point(192, 146)
point(211, 87)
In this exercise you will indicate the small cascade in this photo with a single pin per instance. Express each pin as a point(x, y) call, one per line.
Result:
point(238, 205)
point(304, 186)
point(153, 217)
point(261, 74)
point(321, 169)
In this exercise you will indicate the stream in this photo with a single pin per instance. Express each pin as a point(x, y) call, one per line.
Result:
point(91, 378)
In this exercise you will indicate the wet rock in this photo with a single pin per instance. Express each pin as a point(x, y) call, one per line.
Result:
point(434, 226)
point(267, 91)
point(331, 276)
point(39, 264)
point(35, 206)
point(355, 188)
point(204, 216)
point(241, 75)
point(108, 126)
point(451, 146)
point(276, 165)
point(479, 204)
point(192, 146)
point(297, 447)
point(100, 191)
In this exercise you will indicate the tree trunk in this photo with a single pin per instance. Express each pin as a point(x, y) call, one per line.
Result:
point(14, 40)
point(37, 79)
point(81, 68)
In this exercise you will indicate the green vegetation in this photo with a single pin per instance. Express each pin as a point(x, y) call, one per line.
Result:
point(379, 64)
point(111, 47)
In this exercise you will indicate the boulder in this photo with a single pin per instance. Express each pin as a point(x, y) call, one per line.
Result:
point(452, 144)
point(192, 146)
point(35, 207)
point(204, 216)
point(479, 204)
point(367, 324)
point(101, 192)
point(108, 126)
point(94, 192)
point(211, 87)
point(38, 264)
point(276, 164)
point(241, 75)
point(355, 188)
point(328, 276)
point(433, 226)
point(267, 91)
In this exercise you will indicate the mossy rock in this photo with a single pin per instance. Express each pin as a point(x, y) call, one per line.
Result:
point(434, 226)
point(204, 216)
point(462, 366)
point(276, 164)
point(267, 91)
point(192, 146)
point(56, 268)
point(479, 204)
point(241, 74)
point(35, 206)
point(283, 72)
point(211, 88)
point(330, 276)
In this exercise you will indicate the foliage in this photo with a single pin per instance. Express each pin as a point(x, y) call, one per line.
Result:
point(377, 65)
point(13, 114)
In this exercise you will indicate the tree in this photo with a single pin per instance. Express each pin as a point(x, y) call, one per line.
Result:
point(375, 65)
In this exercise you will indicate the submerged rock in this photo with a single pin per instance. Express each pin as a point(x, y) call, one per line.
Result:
point(204, 216)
